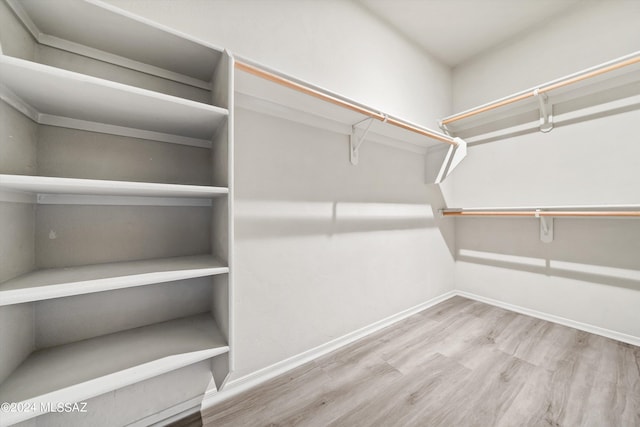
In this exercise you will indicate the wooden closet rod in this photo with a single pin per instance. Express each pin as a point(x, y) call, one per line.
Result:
point(544, 213)
point(625, 61)
point(281, 80)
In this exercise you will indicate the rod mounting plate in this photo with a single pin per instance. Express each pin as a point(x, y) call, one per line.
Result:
point(546, 227)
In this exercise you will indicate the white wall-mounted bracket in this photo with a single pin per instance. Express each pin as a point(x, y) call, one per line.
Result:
point(356, 141)
point(455, 155)
point(546, 227)
point(546, 111)
point(444, 128)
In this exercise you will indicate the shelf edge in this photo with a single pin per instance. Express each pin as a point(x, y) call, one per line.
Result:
point(57, 185)
point(97, 386)
point(45, 292)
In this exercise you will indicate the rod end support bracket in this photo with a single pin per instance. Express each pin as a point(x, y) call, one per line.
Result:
point(546, 111)
point(546, 227)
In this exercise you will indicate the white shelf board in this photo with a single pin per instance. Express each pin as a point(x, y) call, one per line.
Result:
point(100, 30)
point(54, 185)
point(62, 282)
point(271, 98)
point(51, 95)
point(79, 371)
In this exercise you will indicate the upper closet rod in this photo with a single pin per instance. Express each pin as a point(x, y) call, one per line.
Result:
point(284, 81)
point(616, 64)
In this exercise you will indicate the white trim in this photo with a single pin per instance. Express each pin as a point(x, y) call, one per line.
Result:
point(231, 210)
point(170, 415)
point(121, 61)
point(16, 102)
point(25, 18)
point(17, 197)
point(233, 387)
point(67, 122)
point(82, 199)
point(608, 333)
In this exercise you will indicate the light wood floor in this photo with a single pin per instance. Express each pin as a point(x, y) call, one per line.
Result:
point(460, 363)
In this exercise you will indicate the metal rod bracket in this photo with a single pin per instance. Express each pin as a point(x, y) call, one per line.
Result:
point(444, 128)
point(546, 227)
point(546, 111)
point(356, 141)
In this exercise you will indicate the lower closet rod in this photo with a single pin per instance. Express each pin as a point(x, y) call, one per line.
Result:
point(543, 213)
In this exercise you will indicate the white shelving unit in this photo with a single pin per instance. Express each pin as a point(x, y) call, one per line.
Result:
point(117, 190)
point(82, 370)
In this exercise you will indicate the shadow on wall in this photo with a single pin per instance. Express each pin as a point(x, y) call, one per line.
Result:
point(296, 180)
point(272, 218)
point(278, 218)
point(603, 251)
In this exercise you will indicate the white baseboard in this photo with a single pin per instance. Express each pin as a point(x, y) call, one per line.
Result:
point(238, 385)
point(234, 386)
point(169, 415)
point(608, 333)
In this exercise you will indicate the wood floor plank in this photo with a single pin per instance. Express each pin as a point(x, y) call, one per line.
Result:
point(495, 384)
point(341, 396)
point(408, 392)
point(533, 405)
point(459, 363)
point(264, 402)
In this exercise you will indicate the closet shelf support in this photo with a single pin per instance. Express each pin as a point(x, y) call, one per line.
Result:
point(356, 141)
point(455, 155)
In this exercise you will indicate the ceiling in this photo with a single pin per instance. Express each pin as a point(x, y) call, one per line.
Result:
point(454, 31)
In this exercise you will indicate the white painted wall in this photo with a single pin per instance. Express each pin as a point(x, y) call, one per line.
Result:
point(591, 272)
point(324, 248)
point(590, 33)
point(335, 44)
